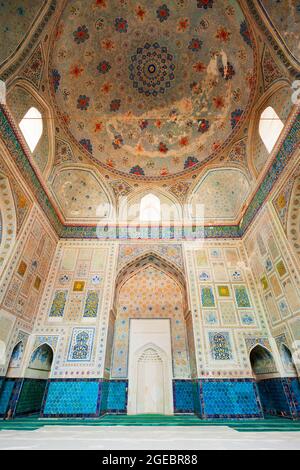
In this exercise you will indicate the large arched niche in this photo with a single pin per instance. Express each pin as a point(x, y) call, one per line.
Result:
point(277, 97)
point(293, 218)
point(283, 20)
point(151, 288)
point(129, 206)
point(219, 195)
point(262, 362)
point(22, 18)
point(40, 362)
point(150, 379)
point(8, 221)
point(81, 194)
point(21, 97)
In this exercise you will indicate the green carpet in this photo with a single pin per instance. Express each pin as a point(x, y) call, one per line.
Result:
point(265, 425)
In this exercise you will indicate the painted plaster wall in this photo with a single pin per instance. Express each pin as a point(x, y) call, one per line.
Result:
point(228, 316)
point(277, 277)
point(23, 282)
point(75, 308)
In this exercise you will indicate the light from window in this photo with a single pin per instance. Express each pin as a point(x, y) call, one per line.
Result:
point(270, 128)
point(32, 127)
point(150, 210)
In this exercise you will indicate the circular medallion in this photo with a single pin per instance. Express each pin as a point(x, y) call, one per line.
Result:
point(152, 70)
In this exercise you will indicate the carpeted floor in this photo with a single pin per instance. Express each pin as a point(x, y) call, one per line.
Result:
point(266, 425)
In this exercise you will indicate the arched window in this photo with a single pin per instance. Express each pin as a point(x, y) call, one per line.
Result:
point(270, 127)
point(150, 210)
point(32, 127)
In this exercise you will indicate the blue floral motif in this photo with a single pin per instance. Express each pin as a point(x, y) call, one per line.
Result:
point(83, 102)
point(118, 142)
point(220, 346)
point(137, 170)
point(163, 13)
point(104, 67)
point(195, 45)
point(56, 79)
point(205, 4)
point(121, 25)
point(235, 117)
point(203, 125)
point(246, 33)
point(81, 34)
point(86, 143)
point(190, 162)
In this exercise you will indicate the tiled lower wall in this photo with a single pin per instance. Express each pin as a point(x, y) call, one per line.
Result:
point(280, 397)
point(294, 384)
point(74, 398)
point(84, 398)
point(5, 395)
point(210, 399)
point(229, 399)
point(30, 397)
point(21, 396)
point(114, 396)
point(217, 398)
point(185, 395)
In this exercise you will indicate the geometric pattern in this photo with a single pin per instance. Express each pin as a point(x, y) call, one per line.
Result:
point(183, 392)
point(58, 304)
point(229, 399)
point(91, 304)
point(81, 344)
point(75, 398)
point(220, 346)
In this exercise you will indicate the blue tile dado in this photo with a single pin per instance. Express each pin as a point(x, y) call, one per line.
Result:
point(183, 395)
point(116, 400)
point(229, 399)
point(280, 397)
point(5, 395)
point(1, 382)
point(294, 384)
point(30, 397)
point(74, 398)
point(9, 395)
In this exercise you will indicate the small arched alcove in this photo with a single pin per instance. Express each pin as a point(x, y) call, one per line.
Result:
point(40, 363)
point(262, 361)
point(15, 360)
point(35, 381)
point(150, 381)
point(287, 359)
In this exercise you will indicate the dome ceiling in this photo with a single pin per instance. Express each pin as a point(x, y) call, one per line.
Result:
point(150, 89)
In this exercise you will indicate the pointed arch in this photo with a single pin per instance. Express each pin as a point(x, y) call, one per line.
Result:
point(21, 98)
point(8, 221)
point(16, 355)
point(278, 98)
point(287, 358)
point(293, 217)
point(150, 359)
point(130, 206)
point(261, 360)
point(150, 259)
point(41, 359)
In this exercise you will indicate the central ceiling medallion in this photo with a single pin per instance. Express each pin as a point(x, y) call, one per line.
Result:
point(152, 69)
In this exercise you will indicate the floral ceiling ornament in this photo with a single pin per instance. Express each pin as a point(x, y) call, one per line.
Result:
point(142, 61)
